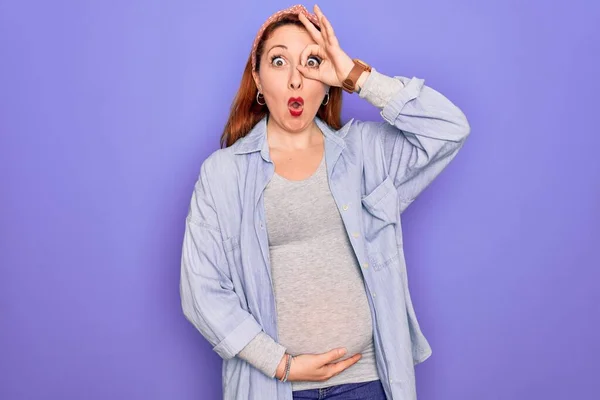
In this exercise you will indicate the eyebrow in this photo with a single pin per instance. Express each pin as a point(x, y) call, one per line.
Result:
point(277, 45)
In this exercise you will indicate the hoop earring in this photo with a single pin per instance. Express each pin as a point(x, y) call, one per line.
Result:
point(258, 94)
point(327, 102)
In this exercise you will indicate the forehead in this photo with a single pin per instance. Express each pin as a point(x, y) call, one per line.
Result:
point(295, 38)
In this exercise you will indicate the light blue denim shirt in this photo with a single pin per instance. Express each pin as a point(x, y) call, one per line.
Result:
point(375, 170)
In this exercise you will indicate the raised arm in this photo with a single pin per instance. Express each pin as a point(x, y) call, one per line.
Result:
point(421, 133)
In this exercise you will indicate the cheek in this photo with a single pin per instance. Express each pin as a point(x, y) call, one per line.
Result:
point(316, 93)
point(273, 81)
point(314, 87)
point(274, 91)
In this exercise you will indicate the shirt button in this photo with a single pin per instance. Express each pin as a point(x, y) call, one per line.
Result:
point(391, 380)
point(261, 225)
point(345, 207)
point(355, 234)
point(373, 294)
point(365, 265)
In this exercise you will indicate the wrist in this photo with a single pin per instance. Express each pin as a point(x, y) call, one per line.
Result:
point(348, 65)
point(361, 81)
point(357, 76)
point(281, 367)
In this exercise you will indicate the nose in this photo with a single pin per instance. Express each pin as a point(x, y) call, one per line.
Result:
point(295, 81)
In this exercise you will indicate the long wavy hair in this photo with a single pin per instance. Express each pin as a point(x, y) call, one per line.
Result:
point(246, 112)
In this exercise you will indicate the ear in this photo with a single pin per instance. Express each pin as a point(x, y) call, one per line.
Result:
point(256, 80)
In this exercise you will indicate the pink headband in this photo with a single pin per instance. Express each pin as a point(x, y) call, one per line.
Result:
point(279, 15)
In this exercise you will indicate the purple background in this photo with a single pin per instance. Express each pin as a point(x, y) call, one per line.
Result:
point(107, 110)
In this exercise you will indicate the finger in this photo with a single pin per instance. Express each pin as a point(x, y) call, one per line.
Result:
point(332, 355)
point(312, 50)
point(309, 73)
point(325, 24)
point(338, 367)
point(321, 18)
point(312, 30)
point(330, 33)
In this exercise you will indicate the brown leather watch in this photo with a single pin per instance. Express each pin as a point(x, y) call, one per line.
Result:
point(349, 84)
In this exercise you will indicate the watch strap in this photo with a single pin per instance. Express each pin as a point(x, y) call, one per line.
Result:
point(349, 84)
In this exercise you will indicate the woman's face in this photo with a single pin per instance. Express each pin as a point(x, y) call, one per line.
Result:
point(292, 99)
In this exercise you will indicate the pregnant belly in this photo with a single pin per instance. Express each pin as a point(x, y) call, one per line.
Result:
point(316, 322)
point(320, 297)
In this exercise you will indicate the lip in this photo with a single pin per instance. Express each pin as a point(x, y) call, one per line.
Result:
point(300, 100)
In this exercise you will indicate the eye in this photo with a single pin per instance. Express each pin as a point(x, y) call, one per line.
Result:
point(277, 61)
point(313, 62)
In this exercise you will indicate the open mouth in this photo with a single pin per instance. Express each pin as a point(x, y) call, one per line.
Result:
point(296, 105)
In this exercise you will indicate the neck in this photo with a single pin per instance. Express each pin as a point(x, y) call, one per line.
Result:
point(282, 139)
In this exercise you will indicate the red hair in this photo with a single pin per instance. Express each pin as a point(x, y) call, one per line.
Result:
point(246, 112)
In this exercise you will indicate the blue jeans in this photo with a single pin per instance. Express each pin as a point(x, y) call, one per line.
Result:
point(372, 390)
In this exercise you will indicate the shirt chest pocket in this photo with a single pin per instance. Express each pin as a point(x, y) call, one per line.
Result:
point(381, 215)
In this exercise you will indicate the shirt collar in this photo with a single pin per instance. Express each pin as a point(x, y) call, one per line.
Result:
point(255, 140)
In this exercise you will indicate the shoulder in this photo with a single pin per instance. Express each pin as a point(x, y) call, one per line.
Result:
point(364, 133)
point(218, 162)
point(216, 170)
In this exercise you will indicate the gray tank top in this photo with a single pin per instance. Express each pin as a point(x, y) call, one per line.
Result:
point(319, 289)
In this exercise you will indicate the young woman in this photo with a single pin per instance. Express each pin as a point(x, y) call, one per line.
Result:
point(293, 263)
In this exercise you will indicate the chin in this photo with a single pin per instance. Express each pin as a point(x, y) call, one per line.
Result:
point(295, 124)
point(298, 123)
point(304, 118)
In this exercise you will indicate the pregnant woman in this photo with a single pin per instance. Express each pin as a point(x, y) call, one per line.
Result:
point(293, 263)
